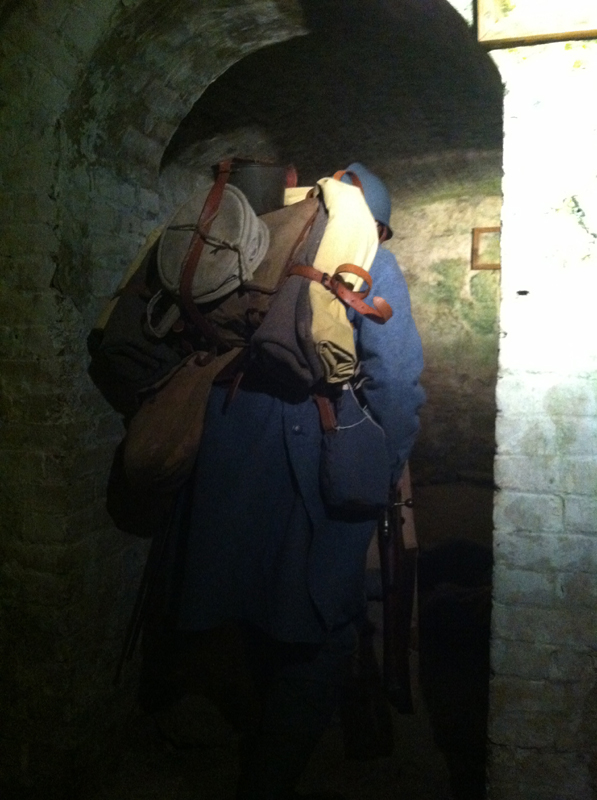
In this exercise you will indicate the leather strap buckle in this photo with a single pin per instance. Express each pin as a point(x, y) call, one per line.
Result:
point(379, 312)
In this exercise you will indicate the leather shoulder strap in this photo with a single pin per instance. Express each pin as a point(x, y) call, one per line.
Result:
point(356, 181)
point(380, 312)
point(193, 254)
point(327, 414)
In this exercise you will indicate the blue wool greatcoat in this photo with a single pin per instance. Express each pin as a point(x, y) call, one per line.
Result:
point(261, 545)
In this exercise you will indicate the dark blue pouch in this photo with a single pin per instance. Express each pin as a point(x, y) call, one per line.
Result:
point(355, 467)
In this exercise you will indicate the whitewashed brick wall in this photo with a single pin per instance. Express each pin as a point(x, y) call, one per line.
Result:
point(544, 648)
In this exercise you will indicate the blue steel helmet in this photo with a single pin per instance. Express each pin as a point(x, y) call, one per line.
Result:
point(376, 195)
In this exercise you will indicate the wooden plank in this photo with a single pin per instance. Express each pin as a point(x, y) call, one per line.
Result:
point(501, 23)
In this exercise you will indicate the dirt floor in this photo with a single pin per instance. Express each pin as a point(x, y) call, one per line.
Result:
point(189, 751)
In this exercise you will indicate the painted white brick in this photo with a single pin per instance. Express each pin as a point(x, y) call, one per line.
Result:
point(530, 713)
point(107, 246)
point(528, 474)
point(547, 473)
point(33, 206)
point(579, 476)
point(149, 201)
point(121, 193)
point(142, 149)
point(536, 775)
point(523, 586)
point(542, 662)
point(522, 659)
point(7, 211)
point(527, 587)
point(533, 342)
point(51, 16)
point(132, 226)
point(567, 664)
point(103, 218)
point(580, 514)
point(547, 552)
point(53, 94)
point(573, 627)
point(541, 434)
point(165, 100)
point(48, 52)
point(517, 789)
point(578, 589)
point(519, 729)
point(27, 273)
point(106, 276)
point(514, 511)
point(532, 393)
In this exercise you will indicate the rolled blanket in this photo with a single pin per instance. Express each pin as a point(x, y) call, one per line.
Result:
point(306, 335)
point(331, 334)
point(283, 343)
point(350, 237)
point(351, 233)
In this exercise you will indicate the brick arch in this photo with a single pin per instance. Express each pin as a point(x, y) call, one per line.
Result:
point(369, 81)
point(142, 77)
point(153, 65)
point(144, 73)
point(155, 59)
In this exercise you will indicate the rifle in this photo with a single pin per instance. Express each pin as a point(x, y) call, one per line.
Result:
point(147, 588)
point(398, 551)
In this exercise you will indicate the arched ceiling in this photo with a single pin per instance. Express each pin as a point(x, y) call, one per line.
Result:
point(132, 69)
point(369, 79)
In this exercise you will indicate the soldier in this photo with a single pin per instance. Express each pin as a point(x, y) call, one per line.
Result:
point(265, 549)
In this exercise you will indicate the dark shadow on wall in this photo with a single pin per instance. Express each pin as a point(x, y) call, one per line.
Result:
point(370, 80)
point(6, 9)
point(455, 611)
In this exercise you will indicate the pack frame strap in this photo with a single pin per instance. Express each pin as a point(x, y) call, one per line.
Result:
point(380, 312)
point(208, 213)
point(327, 412)
point(356, 181)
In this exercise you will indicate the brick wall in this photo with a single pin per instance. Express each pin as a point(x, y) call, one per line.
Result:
point(543, 706)
point(438, 200)
point(90, 99)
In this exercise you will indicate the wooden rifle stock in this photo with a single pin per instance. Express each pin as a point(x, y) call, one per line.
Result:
point(398, 551)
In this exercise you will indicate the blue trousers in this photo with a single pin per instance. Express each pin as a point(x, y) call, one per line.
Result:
point(300, 687)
